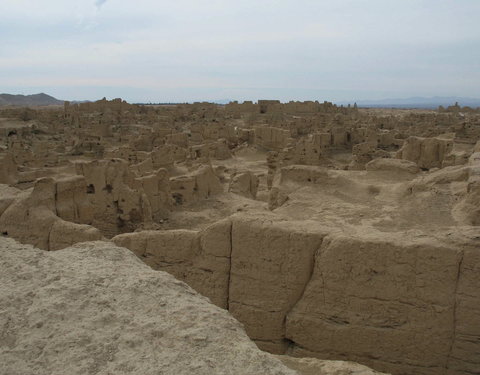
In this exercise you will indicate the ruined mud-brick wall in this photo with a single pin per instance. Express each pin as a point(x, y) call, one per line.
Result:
point(398, 304)
point(120, 199)
point(426, 152)
point(238, 109)
point(271, 138)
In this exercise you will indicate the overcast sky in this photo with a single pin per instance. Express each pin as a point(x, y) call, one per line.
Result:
point(190, 50)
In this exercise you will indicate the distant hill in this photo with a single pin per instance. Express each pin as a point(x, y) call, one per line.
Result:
point(418, 102)
point(28, 100)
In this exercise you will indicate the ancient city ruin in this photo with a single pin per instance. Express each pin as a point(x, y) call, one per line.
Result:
point(328, 232)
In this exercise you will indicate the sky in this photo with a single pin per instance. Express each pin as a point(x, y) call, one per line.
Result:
point(195, 50)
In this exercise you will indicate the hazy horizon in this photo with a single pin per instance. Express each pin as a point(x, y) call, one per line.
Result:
point(156, 51)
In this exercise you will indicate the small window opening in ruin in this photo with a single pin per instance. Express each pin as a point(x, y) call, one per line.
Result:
point(108, 188)
point(289, 343)
point(90, 189)
point(120, 223)
point(178, 198)
point(309, 179)
point(4, 233)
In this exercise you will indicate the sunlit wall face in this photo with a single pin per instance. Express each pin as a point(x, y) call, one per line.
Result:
point(186, 50)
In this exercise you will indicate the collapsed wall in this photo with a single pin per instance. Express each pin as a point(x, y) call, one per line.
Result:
point(105, 198)
point(399, 304)
point(271, 138)
point(426, 152)
point(120, 200)
point(194, 186)
point(393, 303)
point(52, 215)
point(95, 308)
point(202, 259)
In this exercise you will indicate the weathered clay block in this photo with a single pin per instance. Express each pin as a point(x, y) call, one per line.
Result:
point(271, 264)
point(395, 304)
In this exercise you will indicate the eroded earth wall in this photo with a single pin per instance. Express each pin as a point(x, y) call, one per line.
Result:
point(399, 303)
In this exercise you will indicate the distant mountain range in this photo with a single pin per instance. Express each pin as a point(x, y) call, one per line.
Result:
point(417, 102)
point(28, 100)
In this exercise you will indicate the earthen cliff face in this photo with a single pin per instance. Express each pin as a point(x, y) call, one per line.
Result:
point(311, 292)
point(95, 308)
point(330, 232)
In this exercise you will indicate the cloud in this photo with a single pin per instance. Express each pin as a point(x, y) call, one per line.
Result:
point(366, 52)
point(99, 3)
